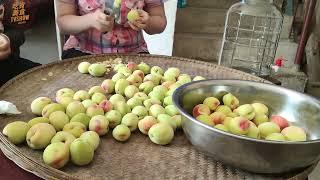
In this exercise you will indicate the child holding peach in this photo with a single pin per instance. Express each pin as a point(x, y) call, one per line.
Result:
point(93, 31)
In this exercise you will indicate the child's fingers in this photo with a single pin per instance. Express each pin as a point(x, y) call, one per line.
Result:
point(133, 26)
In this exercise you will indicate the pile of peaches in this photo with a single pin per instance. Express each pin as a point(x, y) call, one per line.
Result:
point(251, 120)
point(138, 97)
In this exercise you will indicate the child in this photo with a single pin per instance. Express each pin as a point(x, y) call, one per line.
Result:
point(92, 31)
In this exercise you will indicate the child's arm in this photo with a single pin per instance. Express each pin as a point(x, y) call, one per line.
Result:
point(70, 23)
point(157, 20)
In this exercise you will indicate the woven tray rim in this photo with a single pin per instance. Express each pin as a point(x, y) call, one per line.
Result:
point(47, 172)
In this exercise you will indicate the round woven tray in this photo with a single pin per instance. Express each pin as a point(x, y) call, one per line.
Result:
point(136, 159)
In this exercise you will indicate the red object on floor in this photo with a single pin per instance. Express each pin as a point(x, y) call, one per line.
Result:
point(9, 170)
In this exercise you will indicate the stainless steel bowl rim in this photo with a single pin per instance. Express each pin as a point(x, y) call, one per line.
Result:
point(175, 98)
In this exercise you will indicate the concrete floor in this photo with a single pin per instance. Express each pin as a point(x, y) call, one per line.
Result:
point(41, 46)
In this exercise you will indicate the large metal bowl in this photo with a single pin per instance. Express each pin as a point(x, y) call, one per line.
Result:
point(259, 156)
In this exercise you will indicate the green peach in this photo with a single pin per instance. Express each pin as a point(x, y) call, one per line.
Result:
point(75, 108)
point(212, 103)
point(106, 105)
point(125, 71)
point(92, 137)
point(118, 66)
point(178, 120)
point(121, 132)
point(98, 98)
point(165, 118)
point(145, 68)
point(135, 80)
point(64, 100)
point(138, 73)
point(114, 117)
point(37, 120)
point(146, 87)
point(156, 109)
point(198, 78)
point(117, 77)
point(96, 89)
point(253, 131)
point(156, 70)
point(227, 121)
point(38, 104)
point(151, 77)
point(121, 85)
point(167, 84)
point(65, 92)
point(99, 124)
point(108, 85)
point(146, 123)
point(294, 133)
point(40, 135)
point(206, 119)
point(184, 78)
point(161, 133)
point(260, 118)
point(224, 109)
point(221, 127)
point(160, 89)
point(267, 128)
point(239, 125)
point(122, 107)
point(75, 128)
point(260, 108)
point(141, 96)
point(83, 67)
point(132, 66)
point(217, 117)
point(81, 152)
point(172, 71)
point(131, 121)
point(130, 91)
point(116, 98)
point(149, 102)
point(233, 115)
point(140, 111)
point(82, 118)
point(56, 155)
point(171, 110)
point(276, 137)
point(87, 103)
point(97, 70)
point(64, 137)
point(231, 101)
point(246, 111)
point(94, 110)
point(16, 131)
point(167, 101)
point(167, 78)
point(133, 102)
point(81, 95)
point(200, 109)
point(157, 96)
point(58, 120)
point(50, 108)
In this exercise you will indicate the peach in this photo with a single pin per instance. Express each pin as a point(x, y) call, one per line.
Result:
point(161, 133)
point(97, 70)
point(231, 101)
point(64, 100)
point(121, 133)
point(82, 118)
point(212, 103)
point(282, 122)
point(167, 101)
point(198, 78)
point(87, 103)
point(171, 110)
point(56, 155)
point(141, 96)
point(139, 73)
point(156, 95)
point(65, 92)
point(135, 80)
point(267, 128)
point(276, 137)
point(121, 85)
point(146, 87)
point(155, 110)
point(145, 68)
point(92, 137)
point(116, 98)
point(38, 104)
point(200, 109)
point(75, 128)
point(131, 121)
point(233, 115)
point(184, 78)
point(253, 131)
point(206, 119)
point(146, 123)
point(37, 120)
point(167, 84)
point(98, 98)
point(96, 89)
point(178, 120)
point(226, 121)
point(74, 108)
point(83, 67)
point(260, 108)
point(118, 66)
point(132, 66)
point(140, 111)
point(157, 70)
point(39, 136)
point(130, 91)
point(151, 77)
point(108, 85)
point(246, 111)
point(133, 102)
point(173, 72)
point(224, 109)
point(133, 15)
point(122, 108)
point(168, 79)
point(81, 95)
point(165, 118)
point(117, 77)
point(99, 124)
point(294, 133)
point(221, 127)
point(64, 137)
point(50, 108)
point(149, 102)
point(260, 118)
point(239, 125)
point(94, 110)
point(114, 118)
point(217, 117)
point(160, 90)
point(16, 131)
point(81, 152)
point(58, 119)
point(106, 105)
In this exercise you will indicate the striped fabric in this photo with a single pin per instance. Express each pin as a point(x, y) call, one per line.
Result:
point(122, 39)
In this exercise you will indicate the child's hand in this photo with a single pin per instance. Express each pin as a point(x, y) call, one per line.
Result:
point(142, 22)
point(101, 21)
point(5, 49)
